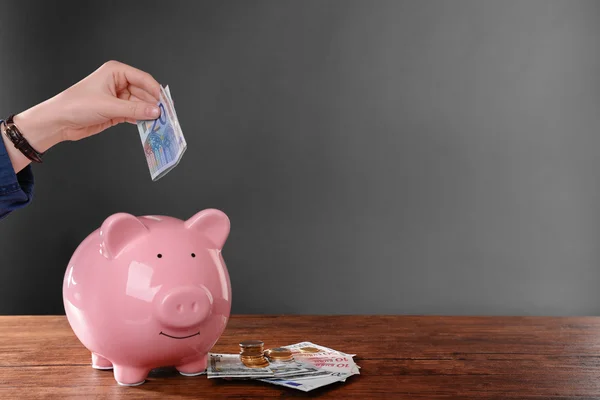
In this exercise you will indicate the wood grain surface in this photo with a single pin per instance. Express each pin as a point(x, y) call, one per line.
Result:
point(401, 357)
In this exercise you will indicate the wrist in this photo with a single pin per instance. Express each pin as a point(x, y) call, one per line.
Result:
point(39, 126)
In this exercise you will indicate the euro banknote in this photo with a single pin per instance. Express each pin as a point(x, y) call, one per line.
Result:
point(335, 366)
point(313, 366)
point(162, 139)
point(230, 366)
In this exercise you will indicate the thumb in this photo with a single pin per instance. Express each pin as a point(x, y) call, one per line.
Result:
point(133, 110)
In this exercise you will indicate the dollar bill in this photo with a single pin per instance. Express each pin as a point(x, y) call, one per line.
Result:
point(162, 139)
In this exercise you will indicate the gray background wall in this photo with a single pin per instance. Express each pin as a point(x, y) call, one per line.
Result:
point(423, 157)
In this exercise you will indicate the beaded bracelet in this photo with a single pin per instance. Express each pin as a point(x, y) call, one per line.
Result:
point(15, 136)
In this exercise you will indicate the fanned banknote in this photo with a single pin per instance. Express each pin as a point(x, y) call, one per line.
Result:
point(162, 138)
point(230, 366)
point(334, 366)
point(313, 366)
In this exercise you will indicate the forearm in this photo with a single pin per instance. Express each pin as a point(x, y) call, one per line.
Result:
point(41, 129)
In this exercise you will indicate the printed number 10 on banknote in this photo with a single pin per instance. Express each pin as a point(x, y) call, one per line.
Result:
point(162, 138)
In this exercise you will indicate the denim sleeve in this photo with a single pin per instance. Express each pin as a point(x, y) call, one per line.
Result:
point(16, 190)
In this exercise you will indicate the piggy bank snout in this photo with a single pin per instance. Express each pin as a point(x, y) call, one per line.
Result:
point(184, 307)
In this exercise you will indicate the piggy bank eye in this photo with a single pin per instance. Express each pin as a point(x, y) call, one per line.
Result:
point(193, 255)
point(159, 255)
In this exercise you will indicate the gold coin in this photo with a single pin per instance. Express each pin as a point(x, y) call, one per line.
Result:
point(280, 350)
point(258, 361)
point(289, 358)
point(279, 353)
point(262, 365)
point(254, 361)
point(251, 343)
point(251, 354)
point(251, 351)
point(251, 358)
point(309, 349)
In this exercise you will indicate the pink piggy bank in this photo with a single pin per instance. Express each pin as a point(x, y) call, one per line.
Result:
point(148, 292)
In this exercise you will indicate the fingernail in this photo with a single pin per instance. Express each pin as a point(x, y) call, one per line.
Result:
point(152, 111)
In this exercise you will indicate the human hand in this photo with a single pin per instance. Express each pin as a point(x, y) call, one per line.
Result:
point(112, 94)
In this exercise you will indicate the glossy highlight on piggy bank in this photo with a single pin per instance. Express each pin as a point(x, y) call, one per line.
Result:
point(148, 292)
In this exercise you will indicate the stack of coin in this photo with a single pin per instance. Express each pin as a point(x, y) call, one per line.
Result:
point(252, 354)
point(279, 354)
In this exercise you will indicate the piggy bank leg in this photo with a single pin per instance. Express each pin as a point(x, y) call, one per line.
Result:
point(100, 362)
point(130, 376)
point(193, 368)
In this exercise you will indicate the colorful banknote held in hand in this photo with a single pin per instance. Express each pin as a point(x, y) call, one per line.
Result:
point(162, 138)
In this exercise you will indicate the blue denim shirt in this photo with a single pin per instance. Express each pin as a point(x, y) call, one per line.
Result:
point(16, 190)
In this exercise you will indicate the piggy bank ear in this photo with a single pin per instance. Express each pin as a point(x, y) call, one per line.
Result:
point(213, 223)
point(117, 231)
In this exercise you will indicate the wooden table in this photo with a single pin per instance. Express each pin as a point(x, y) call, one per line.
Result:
point(401, 357)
